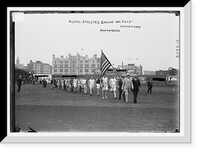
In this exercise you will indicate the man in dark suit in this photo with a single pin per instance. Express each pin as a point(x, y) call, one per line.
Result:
point(135, 88)
point(150, 86)
point(121, 93)
point(19, 83)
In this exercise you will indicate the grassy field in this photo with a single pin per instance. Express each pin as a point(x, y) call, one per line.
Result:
point(58, 110)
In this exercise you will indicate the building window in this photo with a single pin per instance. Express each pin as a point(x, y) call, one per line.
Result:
point(55, 70)
point(86, 70)
point(66, 65)
point(66, 70)
point(80, 65)
point(73, 70)
point(93, 65)
point(73, 65)
point(93, 70)
point(86, 61)
point(61, 62)
point(66, 61)
point(61, 70)
point(81, 70)
point(86, 65)
point(74, 61)
point(93, 61)
point(61, 66)
point(81, 61)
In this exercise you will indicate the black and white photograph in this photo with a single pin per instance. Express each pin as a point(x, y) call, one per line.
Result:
point(81, 70)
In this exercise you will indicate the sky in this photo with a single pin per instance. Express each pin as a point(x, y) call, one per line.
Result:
point(147, 39)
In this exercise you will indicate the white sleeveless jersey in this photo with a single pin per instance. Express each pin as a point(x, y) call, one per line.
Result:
point(114, 82)
point(91, 82)
point(105, 81)
point(83, 81)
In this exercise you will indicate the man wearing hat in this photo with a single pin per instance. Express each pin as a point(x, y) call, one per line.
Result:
point(19, 83)
point(126, 86)
point(135, 88)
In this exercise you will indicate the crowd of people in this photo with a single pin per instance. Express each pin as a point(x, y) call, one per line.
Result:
point(124, 84)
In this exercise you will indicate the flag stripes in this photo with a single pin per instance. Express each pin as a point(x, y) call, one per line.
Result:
point(105, 63)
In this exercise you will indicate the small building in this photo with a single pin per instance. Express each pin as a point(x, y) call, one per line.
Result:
point(162, 73)
point(134, 69)
point(146, 72)
point(39, 67)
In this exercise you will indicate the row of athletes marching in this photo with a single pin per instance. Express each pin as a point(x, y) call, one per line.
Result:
point(76, 85)
point(73, 85)
point(125, 85)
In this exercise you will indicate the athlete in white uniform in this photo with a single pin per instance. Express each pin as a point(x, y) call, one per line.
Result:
point(84, 84)
point(91, 84)
point(113, 85)
point(62, 83)
point(79, 85)
point(58, 84)
point(75, 84)
point(98, 82)
point(110, 85)
point(104, 86)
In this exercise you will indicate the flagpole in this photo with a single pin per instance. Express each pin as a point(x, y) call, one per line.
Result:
point(101, 64)
point(115, 71)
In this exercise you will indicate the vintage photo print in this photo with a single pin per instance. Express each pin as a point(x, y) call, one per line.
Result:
point(95, 70)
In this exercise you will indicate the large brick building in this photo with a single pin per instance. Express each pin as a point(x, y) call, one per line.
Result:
point(75, 65)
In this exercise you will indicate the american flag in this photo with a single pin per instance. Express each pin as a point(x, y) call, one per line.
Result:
point(105, 63)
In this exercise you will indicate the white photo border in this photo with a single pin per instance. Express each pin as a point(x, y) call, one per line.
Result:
point(185, 92)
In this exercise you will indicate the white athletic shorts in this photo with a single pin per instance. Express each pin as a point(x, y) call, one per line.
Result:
point(105, 87)
point(113, 88)
point(98, 86)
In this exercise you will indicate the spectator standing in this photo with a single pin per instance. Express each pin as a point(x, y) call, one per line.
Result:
point(19, 83)
point(135, 88)
point(150, 86)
